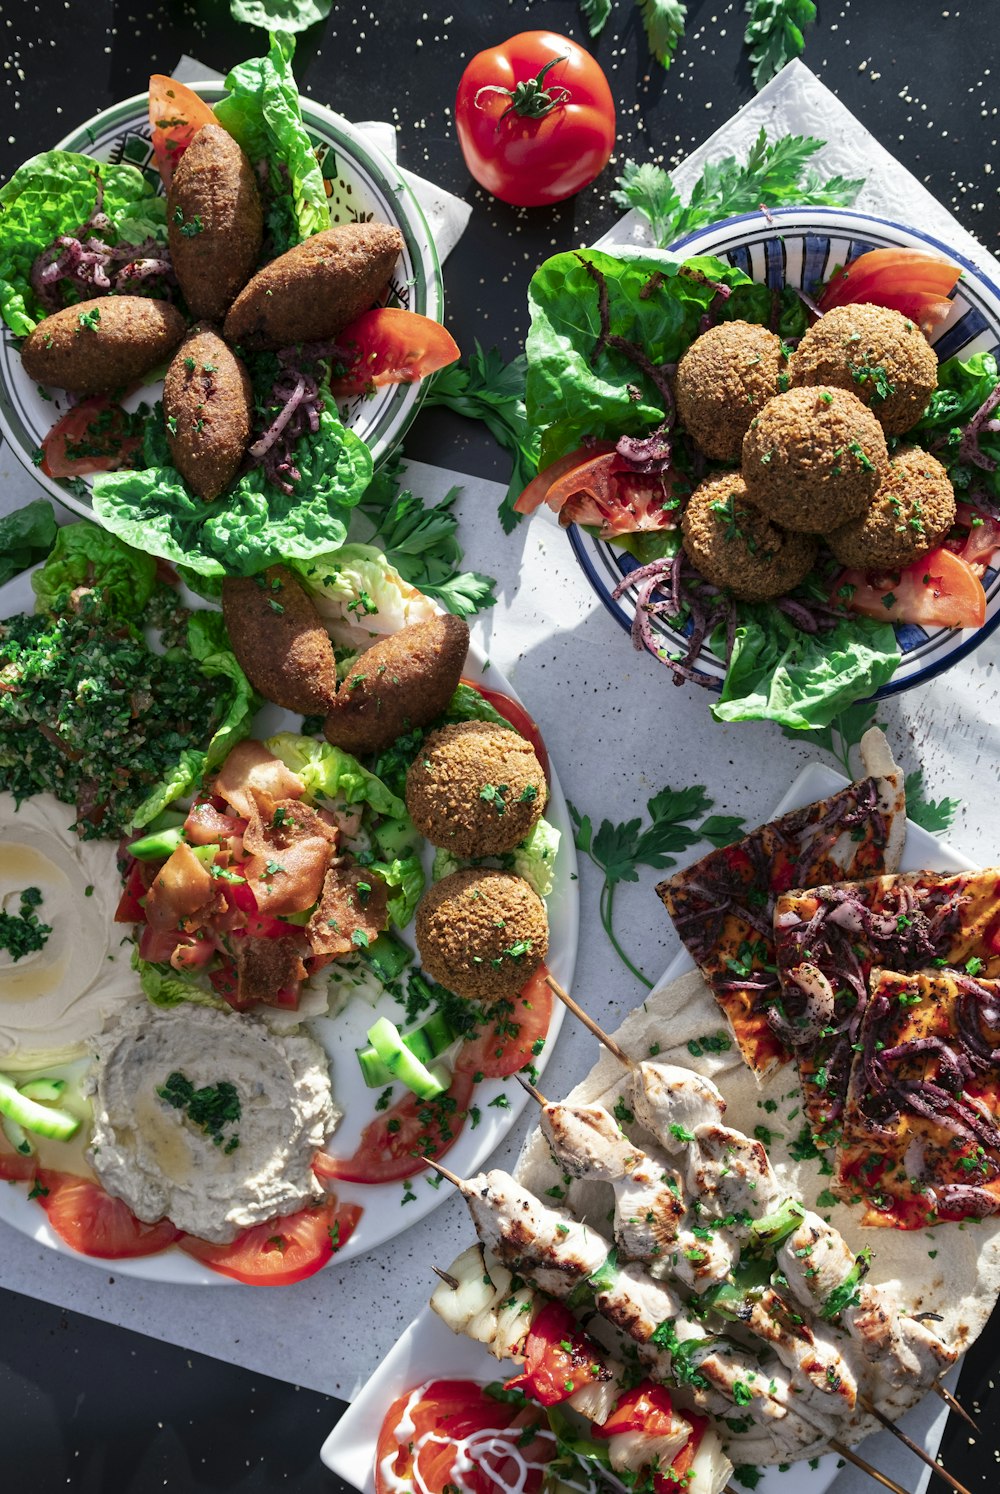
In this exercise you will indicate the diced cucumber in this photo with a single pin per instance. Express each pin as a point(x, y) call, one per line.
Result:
point(17, 1136)
point(47, 1091)
point(167, 819)
point(157, 847)
point(387, 957)
point(15, 1106)
point(395, 838)
point(426, 1042)
point(205, 854)
point(387, 1041)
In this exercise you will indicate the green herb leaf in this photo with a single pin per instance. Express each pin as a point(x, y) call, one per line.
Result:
point(664, 23)
point(280, 15)
point(595, 13)
point(933, 815)
point(774, 34)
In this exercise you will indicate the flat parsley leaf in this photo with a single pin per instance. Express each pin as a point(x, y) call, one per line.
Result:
point(843, 734)
point(933, 815)
point(664, 23)
point(649, 190)
point(774, 34)
point(595, 13)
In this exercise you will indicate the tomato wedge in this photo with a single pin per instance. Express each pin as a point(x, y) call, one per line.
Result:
point(515, 1034)
point(597, 487)
point(394, 1144)
point(982, 541)
point(910, 281)
point(391, 346)
point(938, 591)
point(450, 1435)
point(647, 1407)
point(558, 1359)
point(512, 711)
point(537, 491)
point(94, 1223)
point(94, 436)
point(16, 1167)
point(674, 1482)
point(282, 1251)
point(176, 114)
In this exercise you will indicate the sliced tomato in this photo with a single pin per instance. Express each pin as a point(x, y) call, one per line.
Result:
point(94, 1223)
point(675, 1481)
point(450, 1435)
point(17, 1167)
point(96, 435)
point(647, 1407)
point(137, 880)
point(515, 1034)
point(537, 491)
point(176, 114)
point(982, 541)
point(512, 711)
point(910, 281)
point(391, 346)
point(394, 1144)
point(559, 1359)
point(282, 1251)
point(938, 591)
point(604, 492)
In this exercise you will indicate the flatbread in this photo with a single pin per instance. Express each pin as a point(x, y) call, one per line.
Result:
point(906, 1167)
point(908, 922)
point(952, 1272)
point(723, 906)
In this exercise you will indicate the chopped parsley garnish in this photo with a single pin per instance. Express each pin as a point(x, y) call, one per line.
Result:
point(22, 933)
point(493, 793)
point(212, 1108)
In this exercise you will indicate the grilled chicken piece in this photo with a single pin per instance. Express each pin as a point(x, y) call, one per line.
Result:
point(668, 1100)
point(824, 1380)
point(815, 1259)
point(548, 1245)
point(730, 1174)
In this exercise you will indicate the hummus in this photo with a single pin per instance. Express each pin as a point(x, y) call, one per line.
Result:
point(53, 999)
point(208, 1118)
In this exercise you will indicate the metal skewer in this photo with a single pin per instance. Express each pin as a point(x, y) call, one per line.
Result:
point(588, 1022)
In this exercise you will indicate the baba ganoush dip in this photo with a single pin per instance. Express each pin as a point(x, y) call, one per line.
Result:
point(208, 1117)
point(58, 984)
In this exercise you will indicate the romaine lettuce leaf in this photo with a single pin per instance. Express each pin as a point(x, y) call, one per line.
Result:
point(280, 15)
point(535, 857)
point(360, 596)
point(253, 526)
point(84, 555)
point(263, 114)
point(54, 193)
point(963, 387)
point(329, 771)
point(164, 986)
point(802, 680)
point(404, 876)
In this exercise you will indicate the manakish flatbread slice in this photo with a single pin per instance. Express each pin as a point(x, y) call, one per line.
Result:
point(723, 906)
point(829, 939)
point(920, 1143)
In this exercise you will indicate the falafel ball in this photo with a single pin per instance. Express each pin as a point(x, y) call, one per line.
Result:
point(279, 640)
point(813, 459)
point(877, 353)
point(102, 344)
point(208, 409)
point(475, 788)
point(482, 933)
point(403, 681)
point(913, 511)
point(723, 380)
point(734, 546)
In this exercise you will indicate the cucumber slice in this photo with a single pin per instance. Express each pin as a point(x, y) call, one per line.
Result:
point(167, 819)
point(205, 854)
point(387, 1041)
point(17, 1136)
point(14, 1106)
point(47, 1091)
point(426, 1042)
point(157, 847)
point(387, 957)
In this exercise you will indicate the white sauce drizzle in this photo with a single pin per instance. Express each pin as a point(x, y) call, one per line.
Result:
point(489, 1450)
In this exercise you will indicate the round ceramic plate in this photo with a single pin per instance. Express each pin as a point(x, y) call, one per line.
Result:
point(362, 184)
point(387, 1208)
point(801, 247)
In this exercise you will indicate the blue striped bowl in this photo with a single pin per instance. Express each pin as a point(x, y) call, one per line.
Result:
point(800, 247)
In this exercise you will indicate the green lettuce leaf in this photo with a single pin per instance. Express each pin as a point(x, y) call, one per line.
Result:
point(164, 986)
point(83, 555)
point(468, 705)
point(263, 114)
point(535, 857)
point(255, 524)
point(405, 879)
point(280, 15)
point(802, 680)
point(569, 392)
point(962, 388)
point(26, 536)
point(329, 771)
point(54, 193)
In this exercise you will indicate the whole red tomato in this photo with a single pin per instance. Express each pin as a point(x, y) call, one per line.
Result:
point(535, 118)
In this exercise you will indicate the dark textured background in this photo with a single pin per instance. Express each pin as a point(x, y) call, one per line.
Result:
point(97, 1410)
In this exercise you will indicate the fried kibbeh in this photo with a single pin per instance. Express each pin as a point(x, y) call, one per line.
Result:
point(726, 376)
point(208, 409)
point(475, 788)
point(482, 933)
point(403, 681)
point(877, 353)
point(279, 640)
point(813, 459)
point(215, 223)
point(733, 545)
point(103, 344)
point(312, 292)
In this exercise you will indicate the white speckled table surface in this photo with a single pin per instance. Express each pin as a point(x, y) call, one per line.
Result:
point(618, 731)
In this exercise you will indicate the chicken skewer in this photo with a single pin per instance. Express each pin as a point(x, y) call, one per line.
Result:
point(523, 1325)
point(587, 1141)
point(732, 1172)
